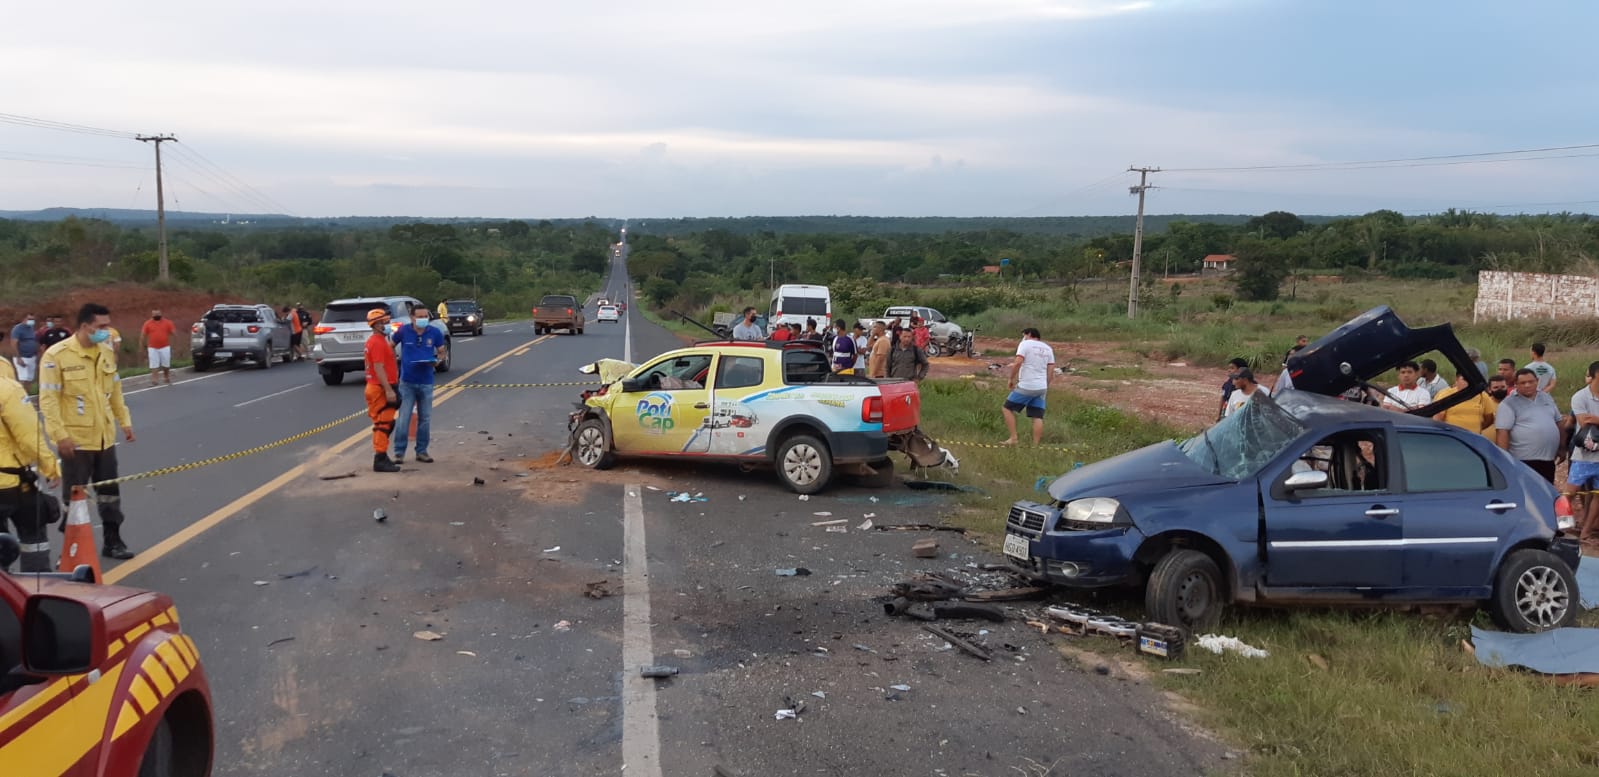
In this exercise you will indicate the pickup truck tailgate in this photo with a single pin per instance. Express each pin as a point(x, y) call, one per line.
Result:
point(902, 405)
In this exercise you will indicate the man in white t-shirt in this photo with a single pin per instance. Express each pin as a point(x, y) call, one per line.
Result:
point(1029, 382)
point(1245, 388)
point(1408, 395)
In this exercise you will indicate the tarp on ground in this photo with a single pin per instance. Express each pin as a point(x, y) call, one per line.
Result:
point(1588, 581)
point(1559, 651)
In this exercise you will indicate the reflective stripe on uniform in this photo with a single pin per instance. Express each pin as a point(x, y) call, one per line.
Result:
point(36, 547)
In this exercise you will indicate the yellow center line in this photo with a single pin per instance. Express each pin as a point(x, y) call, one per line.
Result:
point(160, 549)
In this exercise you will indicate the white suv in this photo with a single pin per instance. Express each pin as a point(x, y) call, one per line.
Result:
point(341, 335)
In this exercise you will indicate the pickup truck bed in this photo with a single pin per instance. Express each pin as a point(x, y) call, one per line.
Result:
point(558, 312)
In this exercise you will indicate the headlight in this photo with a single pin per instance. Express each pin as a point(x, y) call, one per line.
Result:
point(471, 319)
point(1093, 510)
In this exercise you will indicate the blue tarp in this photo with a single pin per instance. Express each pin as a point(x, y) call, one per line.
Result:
point(1588, 581)
point(1561, 651)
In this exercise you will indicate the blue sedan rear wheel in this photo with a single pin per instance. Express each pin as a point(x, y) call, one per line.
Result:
point(1534, 591)
point(1186, 589)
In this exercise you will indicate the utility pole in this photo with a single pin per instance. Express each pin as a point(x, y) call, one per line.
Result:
point(160, 200)
point(1138, 234)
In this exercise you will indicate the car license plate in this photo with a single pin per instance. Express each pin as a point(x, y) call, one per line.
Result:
point(351, 338)
point(1016, 546)
point(222, 355)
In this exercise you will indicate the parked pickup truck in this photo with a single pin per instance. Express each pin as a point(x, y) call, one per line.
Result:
point(947, 336)
point(1309, 499)
point(230, 333)
point(97, 680)
point(558, 311)
point(778, 404)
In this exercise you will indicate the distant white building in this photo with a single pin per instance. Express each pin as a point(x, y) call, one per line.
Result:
point(1219, 262)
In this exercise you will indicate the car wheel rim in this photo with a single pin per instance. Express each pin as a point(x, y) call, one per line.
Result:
point(802, 464)
point(590, 446)
point(1193, 597)
point(1542, 597)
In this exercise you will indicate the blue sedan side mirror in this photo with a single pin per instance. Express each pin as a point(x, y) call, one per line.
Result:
point(1306, 481)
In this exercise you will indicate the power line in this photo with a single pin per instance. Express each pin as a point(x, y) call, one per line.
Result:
point(199, 171)
point(19, 156)
point(237, 182)
point(61, 126)
point(1440, 160)
point(1072, 193)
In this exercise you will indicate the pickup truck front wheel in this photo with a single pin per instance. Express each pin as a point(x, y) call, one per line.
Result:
point(1186, 589)
point(333, 377)
point(1534, 591)
point(588, 445)
point(804, 464)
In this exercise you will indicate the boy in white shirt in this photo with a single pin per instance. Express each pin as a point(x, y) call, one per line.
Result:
point(1029, 383)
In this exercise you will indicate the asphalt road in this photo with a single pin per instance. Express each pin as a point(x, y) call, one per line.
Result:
point(305, 608)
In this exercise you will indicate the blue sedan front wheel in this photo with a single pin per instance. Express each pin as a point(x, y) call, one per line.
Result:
point(1186, 589)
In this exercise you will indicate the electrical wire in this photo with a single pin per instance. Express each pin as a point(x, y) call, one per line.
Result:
point(230, 181)
point(234, 200)
point(1070, 194)
point(61, 126)
point(1441, 160)
point(53, 159)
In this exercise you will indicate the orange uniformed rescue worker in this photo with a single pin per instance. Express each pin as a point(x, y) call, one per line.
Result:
point(382, 401)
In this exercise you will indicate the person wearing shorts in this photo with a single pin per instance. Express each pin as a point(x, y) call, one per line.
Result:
point(1029, 384)
point(1583, 476)
point(26, 340)
point(157, 336)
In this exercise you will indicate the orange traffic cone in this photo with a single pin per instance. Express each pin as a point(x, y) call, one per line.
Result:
point(78, 546)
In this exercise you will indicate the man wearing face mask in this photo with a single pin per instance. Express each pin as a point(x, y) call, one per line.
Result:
point(421, 347)
point(80, 395)
point(26, 339)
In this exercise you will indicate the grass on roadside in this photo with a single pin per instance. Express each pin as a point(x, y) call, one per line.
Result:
point(1399, 696)
point(958, 413)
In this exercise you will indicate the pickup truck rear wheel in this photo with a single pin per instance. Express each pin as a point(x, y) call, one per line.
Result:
point(333, 377)
point(1534, 591)
point(202, 364)
point(589, 446)
point(804, 464)
point(1186, 589)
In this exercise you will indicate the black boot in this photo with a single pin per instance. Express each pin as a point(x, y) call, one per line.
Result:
point(114, 547)
point(382, 463)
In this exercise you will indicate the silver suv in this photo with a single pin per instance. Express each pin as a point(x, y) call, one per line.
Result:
point(341, 335)
point(232, 333)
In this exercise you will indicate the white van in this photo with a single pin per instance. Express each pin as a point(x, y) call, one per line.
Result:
point(793, 303)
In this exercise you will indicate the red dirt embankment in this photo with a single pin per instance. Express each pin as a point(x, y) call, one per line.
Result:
point(130, 305)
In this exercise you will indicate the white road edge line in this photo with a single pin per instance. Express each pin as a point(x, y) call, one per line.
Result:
point(273, 394)
point(627, 338)
point(177, 383)
point(641, 733)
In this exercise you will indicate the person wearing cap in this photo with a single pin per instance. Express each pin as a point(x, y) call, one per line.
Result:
point(382, 400)
point(1244, 389)
point(1227, 386)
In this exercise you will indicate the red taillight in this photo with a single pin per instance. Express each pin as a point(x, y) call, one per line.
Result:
point(253, 329)
point(1563, 518)
point(569, 311)
point(322, 330)
point(872, 410)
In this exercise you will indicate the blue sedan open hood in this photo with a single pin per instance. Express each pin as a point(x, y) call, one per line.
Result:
point(1155, 467)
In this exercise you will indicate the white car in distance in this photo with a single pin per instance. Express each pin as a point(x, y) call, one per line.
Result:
point(608, 313)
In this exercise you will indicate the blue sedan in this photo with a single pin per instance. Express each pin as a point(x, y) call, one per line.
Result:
point(1307, 499)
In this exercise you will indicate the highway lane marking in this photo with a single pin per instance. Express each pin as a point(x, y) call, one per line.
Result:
point(273, 394)
point(641, 733)
point(178, 383)
point(159, 550)
point(521, 352)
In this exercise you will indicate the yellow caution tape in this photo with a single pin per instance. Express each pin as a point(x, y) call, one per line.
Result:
point(154, 473)
point(1001, 446)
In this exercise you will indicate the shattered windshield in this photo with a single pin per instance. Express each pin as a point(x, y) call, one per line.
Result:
point(1239, 445)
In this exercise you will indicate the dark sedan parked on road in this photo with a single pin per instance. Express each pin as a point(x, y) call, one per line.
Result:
point(1306, 499)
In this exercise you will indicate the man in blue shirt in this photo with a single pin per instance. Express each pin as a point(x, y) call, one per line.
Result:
point(421, 346)
point(27, 361)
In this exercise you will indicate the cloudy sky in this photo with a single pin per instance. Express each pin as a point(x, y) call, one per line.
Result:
point(756, 107)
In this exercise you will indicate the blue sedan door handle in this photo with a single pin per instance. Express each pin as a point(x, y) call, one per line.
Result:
point(1499, 506)
point(1378, 511)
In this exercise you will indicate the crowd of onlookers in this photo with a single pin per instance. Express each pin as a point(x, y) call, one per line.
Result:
point(1518, 412)
point(886, 351)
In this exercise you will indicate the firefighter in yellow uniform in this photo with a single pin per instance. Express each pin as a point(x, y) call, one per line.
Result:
point(22, 501)
point(80, 395)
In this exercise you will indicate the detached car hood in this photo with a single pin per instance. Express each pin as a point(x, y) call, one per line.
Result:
point(1372, 343)
point(1156, 467)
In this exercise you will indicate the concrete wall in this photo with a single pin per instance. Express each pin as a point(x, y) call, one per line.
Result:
point(1517, 295)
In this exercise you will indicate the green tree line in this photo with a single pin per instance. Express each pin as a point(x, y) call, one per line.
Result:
point(507, 265)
